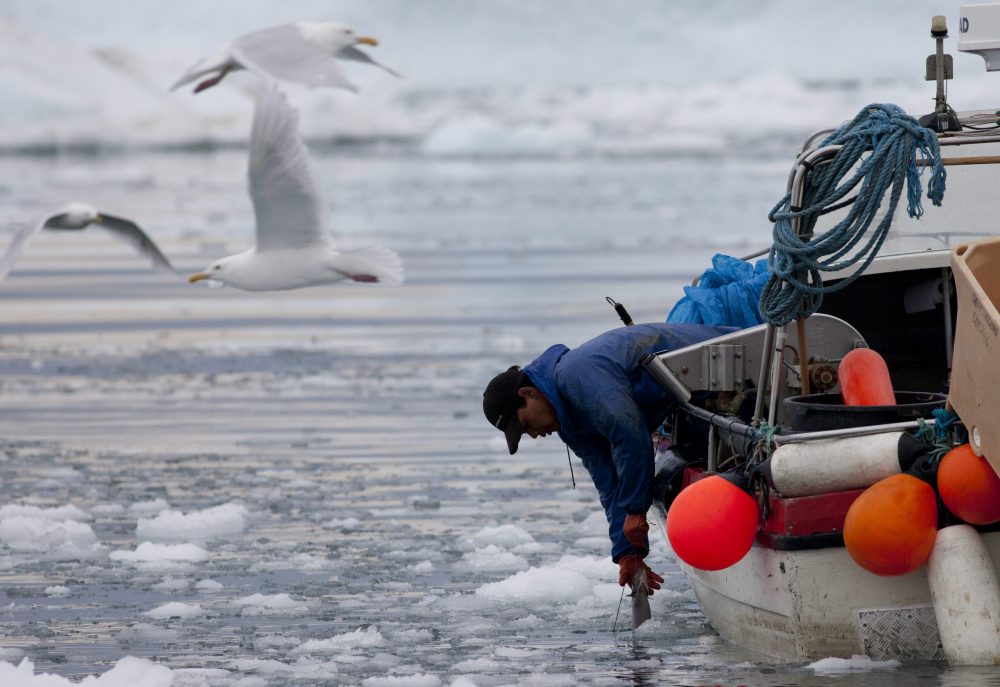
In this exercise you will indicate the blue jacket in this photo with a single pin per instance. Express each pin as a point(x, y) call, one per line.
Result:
point(608, 407)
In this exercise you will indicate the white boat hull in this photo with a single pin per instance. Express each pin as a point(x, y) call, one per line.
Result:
point(807, 605)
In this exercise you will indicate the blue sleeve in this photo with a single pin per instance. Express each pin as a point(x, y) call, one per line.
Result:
point(616, 416)
point(601, 469)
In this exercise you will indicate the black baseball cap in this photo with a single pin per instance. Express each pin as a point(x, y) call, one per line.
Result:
point(501, 402)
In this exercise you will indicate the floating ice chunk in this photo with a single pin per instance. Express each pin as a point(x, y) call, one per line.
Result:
point(147, 632)
point(491, 558)
point(422, 568)
point(506, 536)
point(218, 521)
point(129, 671)
point(69, 512)
point(303, 562)
point(592, 543)
point(360, 638)
point(600, 568)
point(595, 525)
point(54, 539)
point(57, 590)
point(856, 663)
point(342, 524)
point(271, 604)
point(176, 609)
point(539, 585)
point(461, 682)
point(207, 585)
point(154, 553)
point(418, 680)
point(304, 668)
point(480, 665)
point(525, 623)
point(107, 510)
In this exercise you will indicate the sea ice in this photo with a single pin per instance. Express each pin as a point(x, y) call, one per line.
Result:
point(148, 552)
point(69, 512)
point(128, 672)
point(491, 558)
point(856, 663)
point(270, 604)
point(208, 585)
point(147, 632)
point(176, 609)
point(53, 539)
point(419, 680)
point(507, 536)
point(360, 638)
point(218, 521)
point(539, 586)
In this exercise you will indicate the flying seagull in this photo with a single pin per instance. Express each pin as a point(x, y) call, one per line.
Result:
point(293, 248)
point(77, 216)
point(302, 52)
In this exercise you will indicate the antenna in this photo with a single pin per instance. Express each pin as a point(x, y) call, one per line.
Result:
point(939, 69)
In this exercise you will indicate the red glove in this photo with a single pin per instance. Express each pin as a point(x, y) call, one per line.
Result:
point(628, 566)
point(635, 529)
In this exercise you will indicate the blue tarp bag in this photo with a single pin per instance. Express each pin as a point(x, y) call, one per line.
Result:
point(727, 294)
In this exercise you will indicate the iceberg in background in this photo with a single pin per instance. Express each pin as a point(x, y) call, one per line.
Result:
point(499, 78)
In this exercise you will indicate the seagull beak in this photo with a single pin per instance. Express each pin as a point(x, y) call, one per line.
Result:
point(197, 277)
point(98, 218)
point(367, 40)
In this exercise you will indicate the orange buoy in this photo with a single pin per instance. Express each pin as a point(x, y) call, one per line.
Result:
point(969, 486)
point(712, 523)
point(890, 528)
point(864, 379)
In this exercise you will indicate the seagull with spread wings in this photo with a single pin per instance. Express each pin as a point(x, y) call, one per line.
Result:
point(77, 216)
point(293, 248)
point(301, 52)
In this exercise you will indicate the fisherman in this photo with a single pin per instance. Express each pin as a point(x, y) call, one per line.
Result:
point(605, 407)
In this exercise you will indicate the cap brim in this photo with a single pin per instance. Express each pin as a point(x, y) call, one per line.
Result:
point(513, 433)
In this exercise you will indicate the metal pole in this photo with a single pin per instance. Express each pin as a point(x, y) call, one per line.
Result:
point(946, 295)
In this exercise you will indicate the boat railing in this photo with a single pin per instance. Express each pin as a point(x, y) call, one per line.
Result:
point(729, 429)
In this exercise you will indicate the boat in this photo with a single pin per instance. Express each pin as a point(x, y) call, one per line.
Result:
point(765, 402)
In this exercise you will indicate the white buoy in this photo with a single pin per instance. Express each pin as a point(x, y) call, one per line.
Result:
point(818, 467)
point(966, 597)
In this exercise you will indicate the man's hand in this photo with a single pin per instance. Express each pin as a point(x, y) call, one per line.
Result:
point(628, 566)
point(636, 529)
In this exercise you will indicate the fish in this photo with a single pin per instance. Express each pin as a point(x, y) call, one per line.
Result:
point(640, 598)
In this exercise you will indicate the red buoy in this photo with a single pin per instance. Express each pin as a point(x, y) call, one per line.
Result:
point(890, 528)
point(712, 523)
point(969, 486)
point(864, 379)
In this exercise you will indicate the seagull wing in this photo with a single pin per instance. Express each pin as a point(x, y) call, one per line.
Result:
point(17, 245)
point(282, 52)
point(130, 231)
point(195, 71)
point(285, 198)
point(352, 53)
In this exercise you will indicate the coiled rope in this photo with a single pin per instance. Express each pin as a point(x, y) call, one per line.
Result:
point(894, 141)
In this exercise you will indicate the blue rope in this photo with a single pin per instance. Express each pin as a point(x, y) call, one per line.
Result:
point(893, 139)
point(937, 436)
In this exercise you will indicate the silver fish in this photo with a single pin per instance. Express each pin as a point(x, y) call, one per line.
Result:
point(640, 598)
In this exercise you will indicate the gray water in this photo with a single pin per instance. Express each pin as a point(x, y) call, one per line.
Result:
point(347, 422)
